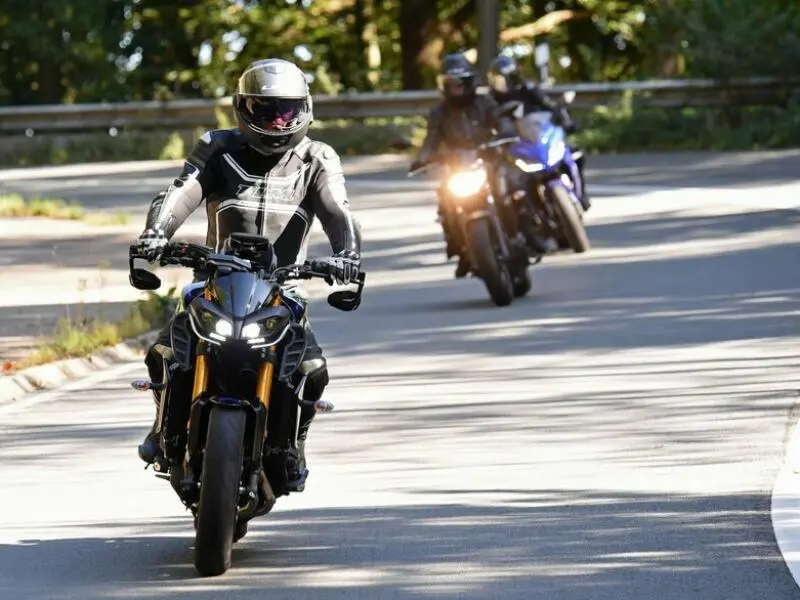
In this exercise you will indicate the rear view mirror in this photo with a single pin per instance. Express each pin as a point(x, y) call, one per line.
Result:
point(345, 300)
point(142, 279)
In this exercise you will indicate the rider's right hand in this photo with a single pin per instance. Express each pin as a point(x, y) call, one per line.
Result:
point(151, 244)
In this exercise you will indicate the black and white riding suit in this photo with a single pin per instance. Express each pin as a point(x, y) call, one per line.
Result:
point(277, 196)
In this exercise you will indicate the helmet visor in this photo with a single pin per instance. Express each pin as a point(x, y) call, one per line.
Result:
point(452, 85)
point(274, 114)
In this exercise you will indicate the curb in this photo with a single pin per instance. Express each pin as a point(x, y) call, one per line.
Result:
point(52, 375)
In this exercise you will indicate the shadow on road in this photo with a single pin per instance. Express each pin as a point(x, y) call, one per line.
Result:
point(526, 544)
point(641, 299)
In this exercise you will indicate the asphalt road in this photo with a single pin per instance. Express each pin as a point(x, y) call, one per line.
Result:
point(615, 436)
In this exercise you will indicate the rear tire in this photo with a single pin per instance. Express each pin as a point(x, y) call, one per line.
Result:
point(219, 490)
point(570, 220)
point(494, 273)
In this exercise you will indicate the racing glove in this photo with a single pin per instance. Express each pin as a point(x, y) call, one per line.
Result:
point(151, 244)
point(345, 266)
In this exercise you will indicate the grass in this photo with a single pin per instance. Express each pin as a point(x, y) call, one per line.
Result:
point(81, 337)
point(15, 205)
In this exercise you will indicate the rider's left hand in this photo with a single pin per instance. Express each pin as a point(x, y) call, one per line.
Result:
point(345, 266)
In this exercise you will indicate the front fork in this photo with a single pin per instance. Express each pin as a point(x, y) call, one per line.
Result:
point(195, 425)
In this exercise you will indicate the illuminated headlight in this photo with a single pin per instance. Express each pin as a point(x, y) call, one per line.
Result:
point(466, 183)
point(266, 332)
point(223, 328)
point(556, 152)
point(528, 167)
point(251, 330)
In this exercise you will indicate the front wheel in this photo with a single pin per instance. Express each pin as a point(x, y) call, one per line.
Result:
point(219, 490)
point(491, 269)
point(522, 284)
point(569, 219)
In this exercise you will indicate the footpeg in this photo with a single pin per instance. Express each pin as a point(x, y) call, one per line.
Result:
point(320, 406)
point(143, 385)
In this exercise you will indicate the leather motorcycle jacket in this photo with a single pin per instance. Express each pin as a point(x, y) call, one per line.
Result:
point(277, 196)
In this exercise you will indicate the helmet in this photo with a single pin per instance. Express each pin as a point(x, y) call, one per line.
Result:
point(456, 78)
point(273, 105)
point(504, 75)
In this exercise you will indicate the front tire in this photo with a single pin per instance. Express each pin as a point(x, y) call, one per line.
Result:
point(569, 219)
point(522, 285)
point(494, 273)
point(219, 490)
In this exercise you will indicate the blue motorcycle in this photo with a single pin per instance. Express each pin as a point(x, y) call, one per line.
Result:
point(553, 181)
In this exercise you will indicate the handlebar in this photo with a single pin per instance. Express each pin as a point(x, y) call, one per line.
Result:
point(499, 142)
point(490, 145)
point(196, 256)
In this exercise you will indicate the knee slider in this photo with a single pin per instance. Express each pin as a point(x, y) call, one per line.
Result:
point(315, 372)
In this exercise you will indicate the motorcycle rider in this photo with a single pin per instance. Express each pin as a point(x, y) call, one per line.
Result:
point(264, 177)
point(507, 85)
point(463, 120)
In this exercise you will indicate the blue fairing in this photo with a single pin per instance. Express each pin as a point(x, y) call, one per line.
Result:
point(192, 291)
point(538, 150)
point(296, 305)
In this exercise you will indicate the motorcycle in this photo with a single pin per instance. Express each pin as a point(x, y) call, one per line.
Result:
point(556, 203)
point(230, 446)
point(484, 240)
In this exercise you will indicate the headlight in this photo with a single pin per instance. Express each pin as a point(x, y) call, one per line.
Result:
point(223, 328)
point(466, 183)
point(207, 322)
point(267, 331)
point(251, 330)
point(556, 152)
point(528, 167)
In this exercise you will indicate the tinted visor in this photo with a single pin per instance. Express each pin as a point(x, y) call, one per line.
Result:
point(274, 114)
point(453, 85)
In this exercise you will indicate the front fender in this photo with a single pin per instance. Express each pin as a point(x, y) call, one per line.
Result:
point(496, 227)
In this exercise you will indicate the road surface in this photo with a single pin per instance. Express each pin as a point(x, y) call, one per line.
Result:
point(615, 436)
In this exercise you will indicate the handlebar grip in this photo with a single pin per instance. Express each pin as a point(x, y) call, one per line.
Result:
point(320, 266)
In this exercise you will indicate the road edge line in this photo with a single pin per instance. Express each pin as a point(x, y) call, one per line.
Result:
point(785, 505)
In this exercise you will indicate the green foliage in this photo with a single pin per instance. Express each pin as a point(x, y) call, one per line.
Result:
point(15, 205)
point(81, 337)
point(174, 148)
point(727, 38)
point(106, 50)
point(641, 130)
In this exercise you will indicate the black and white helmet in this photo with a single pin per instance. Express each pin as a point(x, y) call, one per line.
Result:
point(273, 105)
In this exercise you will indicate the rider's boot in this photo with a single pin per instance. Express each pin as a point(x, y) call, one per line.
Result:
point(150, 449)
point(463, 267)
point(316, 379)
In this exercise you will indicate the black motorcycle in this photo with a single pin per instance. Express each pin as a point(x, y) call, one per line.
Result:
point(231, 393)
point(480, 229)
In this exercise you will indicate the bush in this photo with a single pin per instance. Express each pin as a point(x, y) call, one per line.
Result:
point(79, 337)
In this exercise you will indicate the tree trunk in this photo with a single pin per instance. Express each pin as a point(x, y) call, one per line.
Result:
point(415, 17)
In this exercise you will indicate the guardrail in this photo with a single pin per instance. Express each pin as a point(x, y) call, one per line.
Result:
point(201, 113)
